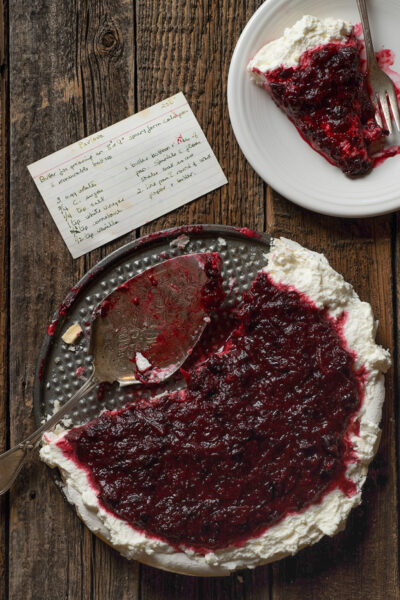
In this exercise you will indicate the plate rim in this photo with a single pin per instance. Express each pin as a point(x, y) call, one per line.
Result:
point(347, 210)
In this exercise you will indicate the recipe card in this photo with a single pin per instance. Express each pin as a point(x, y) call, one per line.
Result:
point(127, 175)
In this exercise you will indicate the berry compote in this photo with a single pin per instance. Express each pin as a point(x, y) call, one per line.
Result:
point(260, 431)
point(327, 99)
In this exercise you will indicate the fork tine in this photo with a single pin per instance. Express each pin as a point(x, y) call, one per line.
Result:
point(386, 111)
point(377, 113)
point(394, 105)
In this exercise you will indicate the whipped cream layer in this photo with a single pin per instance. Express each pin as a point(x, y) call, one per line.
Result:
point(309, 273)
point(308, 33)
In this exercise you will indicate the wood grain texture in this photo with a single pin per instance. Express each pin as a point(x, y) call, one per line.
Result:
point(72, 73)
point(46, 539)
point(181, 48)
point(79, 66)
point(4, 281)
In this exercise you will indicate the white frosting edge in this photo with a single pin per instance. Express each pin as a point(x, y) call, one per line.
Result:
point(310, 273)
point(306, 34)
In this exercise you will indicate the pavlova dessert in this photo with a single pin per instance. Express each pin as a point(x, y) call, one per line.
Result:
point(313, 73)
point(263, 452)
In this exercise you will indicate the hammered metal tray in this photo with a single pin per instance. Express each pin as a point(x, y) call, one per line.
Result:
point(61, 368)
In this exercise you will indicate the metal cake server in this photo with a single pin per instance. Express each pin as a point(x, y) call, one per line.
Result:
point(160, 313)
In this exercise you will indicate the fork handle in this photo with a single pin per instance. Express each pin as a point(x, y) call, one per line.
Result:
point(369, 47)
point(11, 462)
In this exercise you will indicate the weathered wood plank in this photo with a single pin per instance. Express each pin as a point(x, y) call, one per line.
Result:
point(4, 283)
point(72, 73)
point(361, 562)
point(168, 586)
point(243, 584)
point(187, 46)
point(45, 115)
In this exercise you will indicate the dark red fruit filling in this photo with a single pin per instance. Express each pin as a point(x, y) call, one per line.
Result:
point(327, 99)
point(212, 294)
point(260, 431)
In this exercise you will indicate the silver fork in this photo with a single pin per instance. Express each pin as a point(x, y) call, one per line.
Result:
point(382, 86)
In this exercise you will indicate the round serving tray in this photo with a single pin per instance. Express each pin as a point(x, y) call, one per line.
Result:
point(61, 367)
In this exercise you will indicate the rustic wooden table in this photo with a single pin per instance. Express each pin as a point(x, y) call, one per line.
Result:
point(68, 69)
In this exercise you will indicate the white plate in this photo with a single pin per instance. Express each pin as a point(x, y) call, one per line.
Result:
point(272, 144)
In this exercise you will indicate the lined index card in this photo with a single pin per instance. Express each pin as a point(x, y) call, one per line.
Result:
point(127, 175)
